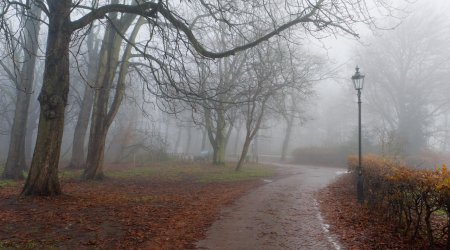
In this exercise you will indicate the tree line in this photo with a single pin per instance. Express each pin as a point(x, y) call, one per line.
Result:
point(206, 55)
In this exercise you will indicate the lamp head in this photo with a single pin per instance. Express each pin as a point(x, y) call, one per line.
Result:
point(358, 79)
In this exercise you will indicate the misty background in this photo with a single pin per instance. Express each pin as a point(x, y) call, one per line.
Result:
point(406, 101)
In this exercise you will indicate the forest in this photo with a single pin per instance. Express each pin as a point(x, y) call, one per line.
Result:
point(152, 103)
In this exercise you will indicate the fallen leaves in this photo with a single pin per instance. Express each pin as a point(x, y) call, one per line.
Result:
point(144, 213)
point(356, 226)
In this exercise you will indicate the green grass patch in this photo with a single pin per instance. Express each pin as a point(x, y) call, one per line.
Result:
point(146, 171)
point(67, 174)
point(6, 183)
point(199, 172)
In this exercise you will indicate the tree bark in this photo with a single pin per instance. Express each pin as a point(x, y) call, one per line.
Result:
point(236, 142)
point(101, 117)
point(78, 156)
point(43, 175)
point(257, 119)
point(77, 160)
point(220, 140)
point(16, 160)
point(33, 122)
point(204, 140)
point(244, 152)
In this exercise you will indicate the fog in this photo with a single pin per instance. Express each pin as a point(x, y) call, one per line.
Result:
point(288, 99)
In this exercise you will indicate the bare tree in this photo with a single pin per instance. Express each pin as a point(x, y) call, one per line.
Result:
point(78, 156)
point(321, 15)
point(407, 73)
point(102, 117)
point(28, 42)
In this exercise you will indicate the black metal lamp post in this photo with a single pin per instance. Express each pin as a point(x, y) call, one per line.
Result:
point(358, 82)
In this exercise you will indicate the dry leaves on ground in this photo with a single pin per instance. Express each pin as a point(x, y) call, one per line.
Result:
point(137, 213)
point(354, 225)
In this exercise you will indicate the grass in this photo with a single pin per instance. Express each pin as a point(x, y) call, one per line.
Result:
point(199, 172)
point(175, 171)
point(6, 183)
point(228, 174)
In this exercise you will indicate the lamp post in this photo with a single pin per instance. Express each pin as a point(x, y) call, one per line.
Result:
point(358, 82)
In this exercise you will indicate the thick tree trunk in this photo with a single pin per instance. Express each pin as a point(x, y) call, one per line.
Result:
point(101, 117)
point(219, 153)
point(96, 153)
point(43, 175)
point(15, 163)
point(78, 156)
point(97, 135)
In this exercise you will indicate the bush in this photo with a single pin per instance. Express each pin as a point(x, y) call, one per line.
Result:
point(417, 200)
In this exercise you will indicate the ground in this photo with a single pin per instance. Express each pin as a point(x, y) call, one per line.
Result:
point(355, 226)
point(283, 214)
point(190, 205)
point(153, 207)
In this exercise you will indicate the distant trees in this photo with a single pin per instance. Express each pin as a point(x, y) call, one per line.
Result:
point(21, 72)
point(77, 160)
point(223, 79)
point(168, 39)
point(407, 80)
point(274, 71)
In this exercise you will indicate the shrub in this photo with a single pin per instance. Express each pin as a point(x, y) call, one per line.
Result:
point(417, 200)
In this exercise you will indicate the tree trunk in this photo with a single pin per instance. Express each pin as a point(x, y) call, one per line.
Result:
point(220, 140)
point(43, 175)
point(33, 121)
point(96, 153)
point(251, 133)
point(287, 138)
point(255, 149)
point(79, 136)
point(204, 140)
point(219, 153)
point(101, 117)
point(15, 163)
point(236, 142)
point(244, 153)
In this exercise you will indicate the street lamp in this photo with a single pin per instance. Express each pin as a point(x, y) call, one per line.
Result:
point(358, 82)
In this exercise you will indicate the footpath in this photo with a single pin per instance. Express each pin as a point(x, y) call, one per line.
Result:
point(282, 214)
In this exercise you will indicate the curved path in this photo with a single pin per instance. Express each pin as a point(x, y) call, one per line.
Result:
point(283, 214)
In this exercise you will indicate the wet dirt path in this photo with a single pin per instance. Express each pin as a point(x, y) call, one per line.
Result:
point(283, 214)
